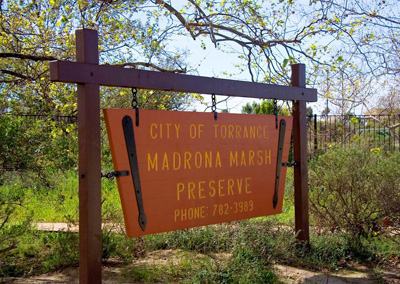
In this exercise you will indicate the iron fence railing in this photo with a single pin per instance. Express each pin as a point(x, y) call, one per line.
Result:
point(326, 131)
point(57, 118)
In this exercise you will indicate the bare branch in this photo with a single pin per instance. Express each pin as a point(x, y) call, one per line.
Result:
point(174, 12)
point(19, 75)
point(150, 65)
point(26, 56)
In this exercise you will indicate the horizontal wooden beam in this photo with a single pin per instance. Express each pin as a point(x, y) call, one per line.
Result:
point(106, 75)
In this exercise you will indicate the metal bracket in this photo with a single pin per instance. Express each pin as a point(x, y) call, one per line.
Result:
point(282, 128)
point(290, 164)
point(129, 134)
point(115, 174)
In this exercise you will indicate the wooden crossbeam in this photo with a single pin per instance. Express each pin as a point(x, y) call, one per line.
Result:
point(107, 75)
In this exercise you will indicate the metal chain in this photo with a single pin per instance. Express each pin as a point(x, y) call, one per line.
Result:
point(135, 104)
point(214, 106)
point(108, 175)
point(114, 174)
point(134, 98)
point(275, 103)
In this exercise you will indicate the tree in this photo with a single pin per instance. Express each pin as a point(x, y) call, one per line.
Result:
point(336, 38)
point(265, 107)
point(35, 32)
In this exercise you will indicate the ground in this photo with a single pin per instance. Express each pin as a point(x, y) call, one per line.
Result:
point(117, 272)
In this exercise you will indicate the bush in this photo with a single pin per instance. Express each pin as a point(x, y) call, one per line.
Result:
point(12, 198)
point(353, 190)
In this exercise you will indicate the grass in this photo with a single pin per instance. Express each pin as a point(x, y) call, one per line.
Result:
point(236, 252)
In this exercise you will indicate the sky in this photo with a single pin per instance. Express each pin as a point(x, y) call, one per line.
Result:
point(214, 62)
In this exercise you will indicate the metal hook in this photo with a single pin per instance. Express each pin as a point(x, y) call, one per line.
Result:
point(135, 104)
point(214, 106)
point(275, 102)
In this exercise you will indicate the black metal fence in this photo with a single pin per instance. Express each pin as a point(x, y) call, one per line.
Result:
point(58, 118)
point(324, 131)
point(327, 131)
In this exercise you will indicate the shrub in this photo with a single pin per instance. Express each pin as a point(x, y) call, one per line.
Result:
point(353, 190)
point(11, 198)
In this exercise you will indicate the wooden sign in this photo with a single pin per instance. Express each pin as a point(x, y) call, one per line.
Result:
point(187, 169)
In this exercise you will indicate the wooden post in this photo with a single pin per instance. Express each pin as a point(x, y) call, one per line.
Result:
point(90, 246)
point(300, 156)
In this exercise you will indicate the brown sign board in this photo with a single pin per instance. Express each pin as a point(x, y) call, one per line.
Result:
point(193, 170)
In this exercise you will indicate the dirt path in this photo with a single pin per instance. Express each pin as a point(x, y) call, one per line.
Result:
point(114, 272)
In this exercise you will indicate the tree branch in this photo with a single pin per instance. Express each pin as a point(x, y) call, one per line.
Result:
point(19, 75)
point(26, 56)
point(174, 12)
point(151, 65)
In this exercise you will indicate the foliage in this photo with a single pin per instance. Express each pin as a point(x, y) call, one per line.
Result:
point(11, 227)
point(265, 107)
point(353, 190)
point(39, 252)
point(34, 32)
point(349, 47)
point(34, 144)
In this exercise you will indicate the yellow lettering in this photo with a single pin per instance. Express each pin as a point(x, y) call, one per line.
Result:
point(243, 160)
point(189, 213)
point(247, 185)
point(191, 187)
point(231, 182)
point(183, 215)
point(245, 133)
point(168, 125)
point(165, 162)
point(231, 129)
point(152, 163)
point(223, 131)
point(259, 158)
point(215, 130)
point(208, 159)
point(177, 126)
point(176, 161)
point(268, 157)
point(153, 135)
point(218, 160)
point(198, 160)
point(252, 132)
point(233, 158)
point(211, 186)
point(188, 157)
point(201, 189)
point(202, 212)
point(180, 187)
point(220, 187)
point(251, 157)
point(259, 129)
point(265, 131)
point(239, 184)
point(176, 214)
point(200, 129)
point(238, 130)
point(192, 131)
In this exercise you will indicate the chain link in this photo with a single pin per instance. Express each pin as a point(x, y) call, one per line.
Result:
point(275, 103)
point(134, 98)
point(108, 175)
point(214, 106)
point(214, 103)
point(114, 174)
